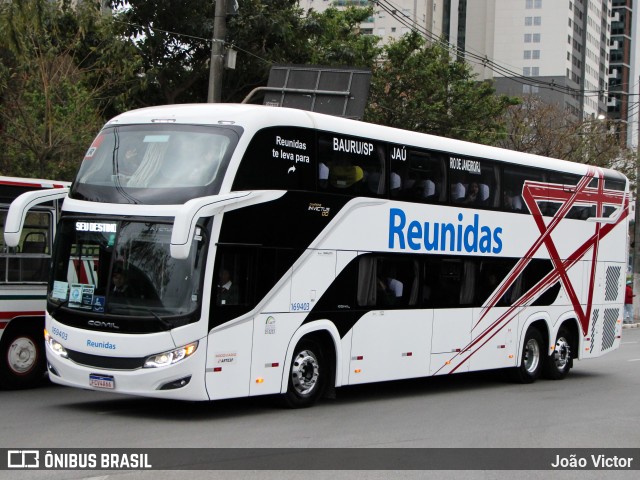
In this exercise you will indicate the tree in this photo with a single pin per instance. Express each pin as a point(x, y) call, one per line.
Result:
point(48, 113)
point(545, 129)
point(420, 87)
point(173, 42)
point(335, 38)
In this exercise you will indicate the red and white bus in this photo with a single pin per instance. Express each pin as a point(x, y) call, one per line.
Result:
point(24, 272)
point(218, 251)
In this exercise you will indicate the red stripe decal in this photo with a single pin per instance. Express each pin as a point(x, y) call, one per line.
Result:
point(532, 192)
point(12, 315)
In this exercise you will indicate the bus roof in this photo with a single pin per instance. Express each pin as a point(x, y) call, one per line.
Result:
point(255, 117)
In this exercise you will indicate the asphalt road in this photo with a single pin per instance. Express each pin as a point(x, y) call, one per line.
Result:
point(596, 406)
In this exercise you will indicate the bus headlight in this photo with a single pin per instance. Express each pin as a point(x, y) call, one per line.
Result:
point(55, 346)
point(169, 358)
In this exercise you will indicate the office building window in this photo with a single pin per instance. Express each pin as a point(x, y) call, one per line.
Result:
point(527, 54)
point(527, 38)
point(526, 71)
point(535, 71)
point(528, 21)
point(536, 38)
point(535, 54)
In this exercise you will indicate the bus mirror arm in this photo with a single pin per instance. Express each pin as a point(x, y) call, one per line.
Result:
point(21, 205)
point(184, 225)
point(612, 219)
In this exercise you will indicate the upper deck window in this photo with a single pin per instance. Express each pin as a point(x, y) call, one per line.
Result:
point(278, 158)
point(351, 165)
point(155, 164)
point(417, 176)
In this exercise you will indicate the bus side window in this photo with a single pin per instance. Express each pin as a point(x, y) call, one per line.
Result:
point(417, 176)
point(387, 282)
point(449, 283)
point(32, 256)
point(491, 274)
point(513, 180)
point(351, 166)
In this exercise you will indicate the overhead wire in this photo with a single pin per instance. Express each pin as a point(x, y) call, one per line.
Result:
point(408, 22)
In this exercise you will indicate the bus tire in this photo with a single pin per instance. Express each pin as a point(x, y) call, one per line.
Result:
point(23, 361)
point(307, 375)
point(557, 365)
point(531, 360)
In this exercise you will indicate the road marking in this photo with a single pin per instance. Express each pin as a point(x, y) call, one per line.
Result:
point(634, 360)
point(630, 342)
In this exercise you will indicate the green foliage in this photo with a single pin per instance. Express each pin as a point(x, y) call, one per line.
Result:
point(54, 85)
point(265, 32)
point(171, 41)
point(335, 38)
point(547, 129)
point(64, 70)
point(420, 87)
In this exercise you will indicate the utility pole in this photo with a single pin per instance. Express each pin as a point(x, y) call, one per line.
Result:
point(636, 243)
point(216, 64)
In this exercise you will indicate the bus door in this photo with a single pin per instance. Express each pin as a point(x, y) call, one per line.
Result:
point(274, 328)
point(494, 332)
point(390, 340)
point(449, 286)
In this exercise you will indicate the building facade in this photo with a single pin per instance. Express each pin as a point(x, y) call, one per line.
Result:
point(582, 55)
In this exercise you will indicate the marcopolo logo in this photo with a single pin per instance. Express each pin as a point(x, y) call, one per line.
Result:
point(469, 236)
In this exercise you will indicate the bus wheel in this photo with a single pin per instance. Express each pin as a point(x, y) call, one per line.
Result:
point(531, 361)
point(307, 376)
point(557, 365)
point(23, 359)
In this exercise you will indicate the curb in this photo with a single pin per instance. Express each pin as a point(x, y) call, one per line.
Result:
point(631, 325)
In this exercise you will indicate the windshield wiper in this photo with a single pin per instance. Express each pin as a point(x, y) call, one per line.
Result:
point(166, 323)
point(58, 307)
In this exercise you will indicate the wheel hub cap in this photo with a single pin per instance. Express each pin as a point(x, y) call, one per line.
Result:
point(531, 356)
point(562, 353)
point(22, 355)
point(304, 372)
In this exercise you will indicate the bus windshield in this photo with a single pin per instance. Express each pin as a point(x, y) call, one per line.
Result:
point(154, 164)
point(124, 268)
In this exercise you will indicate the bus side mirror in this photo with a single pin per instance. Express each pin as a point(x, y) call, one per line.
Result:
point(187, 216)
point(21, 205)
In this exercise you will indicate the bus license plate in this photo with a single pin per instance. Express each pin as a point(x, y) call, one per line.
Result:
point(102, 381)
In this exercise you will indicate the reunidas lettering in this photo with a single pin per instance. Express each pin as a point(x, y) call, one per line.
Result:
point(435, 236)
point(291, 143)
point(107, 345)
point(352, 146)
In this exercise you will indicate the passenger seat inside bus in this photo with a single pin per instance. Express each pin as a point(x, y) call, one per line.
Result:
point(458, 192)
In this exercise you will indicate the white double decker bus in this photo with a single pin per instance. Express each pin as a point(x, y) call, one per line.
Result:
point(24, 271)
point(216, 251)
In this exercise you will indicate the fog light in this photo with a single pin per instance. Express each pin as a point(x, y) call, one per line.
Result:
point(176, 384)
